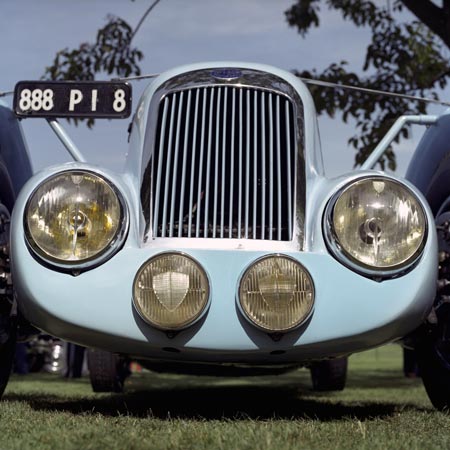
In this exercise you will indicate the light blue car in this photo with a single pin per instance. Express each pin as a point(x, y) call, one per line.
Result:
point(222, 247)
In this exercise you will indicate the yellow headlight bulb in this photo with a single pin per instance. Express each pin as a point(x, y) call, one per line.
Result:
point(74, 217)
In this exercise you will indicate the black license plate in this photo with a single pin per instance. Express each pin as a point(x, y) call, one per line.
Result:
point(51, 99)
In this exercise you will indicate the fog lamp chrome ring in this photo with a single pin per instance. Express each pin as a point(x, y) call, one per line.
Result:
point(171, 291)
point(276, 293)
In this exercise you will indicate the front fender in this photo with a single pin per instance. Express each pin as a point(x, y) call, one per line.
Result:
point(429, 169)
point(15, 164)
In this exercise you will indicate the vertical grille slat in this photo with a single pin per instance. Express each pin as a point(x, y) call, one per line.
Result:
point(247, 161)
point(239, 224)
point(224, 155)
point(255, 162)
point(224, 164)
point(216, 164)
point(159, 163)
point(233, 135)
point(175, 166)
point(168, 162)
point(202, 144)
point(288, 164)
point(193, 174)
point(183, 171)
point(263, 168)
point(208, 162)
point(278, 145)
point(271, 166)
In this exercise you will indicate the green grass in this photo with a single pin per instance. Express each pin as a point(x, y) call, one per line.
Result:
point(379, 409)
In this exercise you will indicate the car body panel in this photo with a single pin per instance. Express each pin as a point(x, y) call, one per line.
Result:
point(429, 168)
point(94, 307)
point(15, 163)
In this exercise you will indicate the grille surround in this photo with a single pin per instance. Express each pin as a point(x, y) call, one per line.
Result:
point(224, 159)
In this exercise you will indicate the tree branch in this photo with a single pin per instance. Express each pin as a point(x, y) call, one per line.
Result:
point(432, 16)
point(149, 10)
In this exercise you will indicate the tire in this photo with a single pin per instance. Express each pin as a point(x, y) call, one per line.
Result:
point(8, 323)
point(329, 375)
point(433, 339)
point(7, 350)
point(107, 371)
point(434, 368)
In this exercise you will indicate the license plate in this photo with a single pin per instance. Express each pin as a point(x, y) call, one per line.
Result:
point(51, 99)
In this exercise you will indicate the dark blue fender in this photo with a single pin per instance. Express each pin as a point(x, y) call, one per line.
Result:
point(429, 169)
point(15, 165)
point(15, 169)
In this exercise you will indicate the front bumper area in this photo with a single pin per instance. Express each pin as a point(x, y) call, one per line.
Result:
point(351, 312)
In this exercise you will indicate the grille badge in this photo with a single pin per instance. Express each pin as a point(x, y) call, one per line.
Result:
point(226, 74)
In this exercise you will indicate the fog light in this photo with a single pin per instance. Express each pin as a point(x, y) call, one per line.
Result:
point(171, 291)
point(276, 293)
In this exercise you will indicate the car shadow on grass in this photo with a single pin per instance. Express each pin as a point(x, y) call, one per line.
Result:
point(191, 400)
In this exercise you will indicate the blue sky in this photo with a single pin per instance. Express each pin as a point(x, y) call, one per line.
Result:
point(177, 32)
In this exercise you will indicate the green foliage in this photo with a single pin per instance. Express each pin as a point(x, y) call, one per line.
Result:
point(406, 58)
point(111, 53)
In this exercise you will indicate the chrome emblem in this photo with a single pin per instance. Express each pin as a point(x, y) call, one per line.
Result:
point(226, 74)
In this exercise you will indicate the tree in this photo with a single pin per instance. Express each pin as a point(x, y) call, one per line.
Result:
point(402, 57)
point(111, 54)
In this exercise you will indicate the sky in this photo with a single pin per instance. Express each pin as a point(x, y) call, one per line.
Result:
point(176, 32)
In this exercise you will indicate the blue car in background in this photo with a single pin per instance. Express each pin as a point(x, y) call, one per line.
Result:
point(223, 247)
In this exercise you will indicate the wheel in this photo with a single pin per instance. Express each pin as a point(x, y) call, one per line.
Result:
point(329, 375)
point(433, 340)
point(7, 348)
point(433, 356)
point(107, 371)
point(8, 323)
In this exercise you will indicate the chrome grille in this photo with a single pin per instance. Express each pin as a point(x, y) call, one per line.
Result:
point(224, 164)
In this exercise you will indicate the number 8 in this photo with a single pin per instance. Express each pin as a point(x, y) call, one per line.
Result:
point(25, 100)
point(47, 100)
point(119, 103)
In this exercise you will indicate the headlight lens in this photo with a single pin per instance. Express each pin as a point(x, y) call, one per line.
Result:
point(378, 223)
point(276, 293)
point(73, 217)
point(171, 291)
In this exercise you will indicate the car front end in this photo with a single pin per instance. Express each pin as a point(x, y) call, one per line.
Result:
point(223, 241)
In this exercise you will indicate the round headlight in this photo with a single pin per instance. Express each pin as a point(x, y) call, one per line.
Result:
point(276, 293)
point(378, 224)
point(74, 217)
point(171, 291)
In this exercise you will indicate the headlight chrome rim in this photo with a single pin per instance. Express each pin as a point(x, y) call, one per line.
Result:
point(99, 258)
point(197, 317)
point(343, 256)
point(261, 327)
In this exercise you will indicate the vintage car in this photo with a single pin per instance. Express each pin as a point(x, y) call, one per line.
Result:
point(223, 247)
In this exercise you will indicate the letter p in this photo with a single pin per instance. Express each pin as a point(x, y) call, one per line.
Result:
point(75, 97)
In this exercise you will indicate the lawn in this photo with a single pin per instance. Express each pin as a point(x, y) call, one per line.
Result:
point(379, 409)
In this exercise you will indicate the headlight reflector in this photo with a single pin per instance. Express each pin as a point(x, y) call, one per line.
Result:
point(276, 293)
point(377, 223)
point(171, 291)
point(73, 217)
